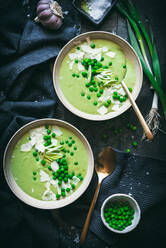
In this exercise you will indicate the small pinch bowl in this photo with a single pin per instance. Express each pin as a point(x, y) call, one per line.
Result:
point(122, 198)
point(129, 53)
point(19, 192)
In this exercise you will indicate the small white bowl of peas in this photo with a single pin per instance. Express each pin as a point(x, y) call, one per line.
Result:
point(120, 213)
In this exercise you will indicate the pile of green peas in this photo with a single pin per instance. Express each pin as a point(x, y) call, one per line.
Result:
point(62, 173)
point(119, 97)
point(119, 215)
point(97, 86)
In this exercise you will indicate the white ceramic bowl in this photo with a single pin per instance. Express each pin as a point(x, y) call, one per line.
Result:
point(129, 53)
point(120, 198)
point(19, 192)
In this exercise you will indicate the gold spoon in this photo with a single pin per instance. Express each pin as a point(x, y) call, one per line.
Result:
point(104, 167)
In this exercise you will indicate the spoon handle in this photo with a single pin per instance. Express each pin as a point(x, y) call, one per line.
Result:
point(86, 225)
point(138, 113)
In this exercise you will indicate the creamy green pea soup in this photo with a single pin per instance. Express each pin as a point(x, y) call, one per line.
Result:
point(91, 74)
point(49, 163)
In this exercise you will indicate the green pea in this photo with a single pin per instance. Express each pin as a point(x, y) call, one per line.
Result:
point(43, 162)
point(82, 94)
point(134, 128)
point(92, 45)
point(110, 63)
point(76, 61)
point(105, 67)
point(49, 142)
point(102, 58)
point(84, 74)
point(88, 97)
point(134, 144)
point(34, 154)
point(54, 177)
point(48, 131)
point(53, 135)
point(68, 189)
point(63, 193)
point(98, 95)
point(65, 179)
point(45, 137)
point(121, 99)
point(73, 186)
point(95, 103)
point(66, 167)
point(57, 196)
point(106, 104)
point(93, 72)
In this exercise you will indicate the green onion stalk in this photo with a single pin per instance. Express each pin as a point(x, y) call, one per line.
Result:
point(134, 22)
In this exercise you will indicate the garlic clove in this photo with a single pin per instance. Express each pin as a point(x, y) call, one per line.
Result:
point(42, 7)
point(50, 20)
point(45, 14)
point(53, 22)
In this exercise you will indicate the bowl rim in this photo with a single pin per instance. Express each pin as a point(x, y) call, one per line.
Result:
point(136, 207)
point(24, 196)
point(59, 92)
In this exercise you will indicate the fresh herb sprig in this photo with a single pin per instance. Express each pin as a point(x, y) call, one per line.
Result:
point(128, 9)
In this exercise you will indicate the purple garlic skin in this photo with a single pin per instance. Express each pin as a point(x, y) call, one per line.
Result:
point(46, 15)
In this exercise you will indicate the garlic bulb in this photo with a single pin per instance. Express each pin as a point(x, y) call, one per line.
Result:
point(49, 14)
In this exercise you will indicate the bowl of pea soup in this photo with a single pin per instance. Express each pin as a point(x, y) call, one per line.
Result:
point(48, 163)
point(88, 72)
